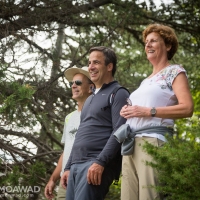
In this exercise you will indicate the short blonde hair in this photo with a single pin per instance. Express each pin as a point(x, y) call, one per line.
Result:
point(167, 33)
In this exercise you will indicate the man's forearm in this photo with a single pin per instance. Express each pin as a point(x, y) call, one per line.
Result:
point(56, 173)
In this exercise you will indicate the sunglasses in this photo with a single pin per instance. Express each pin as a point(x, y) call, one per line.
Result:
point(128, 102)
point(77, 82)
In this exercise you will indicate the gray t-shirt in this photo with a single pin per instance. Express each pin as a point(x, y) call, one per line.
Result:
point(72, 121)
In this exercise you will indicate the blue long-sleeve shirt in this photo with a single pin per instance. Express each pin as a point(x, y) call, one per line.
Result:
point(94, 139)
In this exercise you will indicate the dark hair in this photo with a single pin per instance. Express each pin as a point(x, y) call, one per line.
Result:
point(109, 54)
point(167, 33)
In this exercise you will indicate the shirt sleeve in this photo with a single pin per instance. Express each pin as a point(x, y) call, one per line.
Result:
point(112, 146)
point(172, 73)
point(65, 127)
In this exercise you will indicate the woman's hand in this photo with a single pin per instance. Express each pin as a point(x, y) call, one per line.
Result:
point(135, 111)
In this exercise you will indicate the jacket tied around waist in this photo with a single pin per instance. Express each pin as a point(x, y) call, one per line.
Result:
point(126, 135)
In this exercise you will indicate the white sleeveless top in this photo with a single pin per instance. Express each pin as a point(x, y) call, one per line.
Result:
point(155, 92)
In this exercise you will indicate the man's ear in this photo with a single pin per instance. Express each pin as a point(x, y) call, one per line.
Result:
point(110, 67)
point(92, 88)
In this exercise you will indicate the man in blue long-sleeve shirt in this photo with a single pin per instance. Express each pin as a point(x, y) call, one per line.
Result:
point(95, 159)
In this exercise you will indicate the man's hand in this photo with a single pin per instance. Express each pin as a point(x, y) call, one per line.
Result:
point(94, 174)
point(48, 191)
point(64, 179)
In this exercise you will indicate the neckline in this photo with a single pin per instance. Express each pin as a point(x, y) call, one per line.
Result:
point(158, 72)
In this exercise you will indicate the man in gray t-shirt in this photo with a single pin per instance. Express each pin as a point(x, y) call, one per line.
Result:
point(81, 85)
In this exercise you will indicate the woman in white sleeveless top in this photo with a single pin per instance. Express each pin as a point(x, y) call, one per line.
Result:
point(160, 99)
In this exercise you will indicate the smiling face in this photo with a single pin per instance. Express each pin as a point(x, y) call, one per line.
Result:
point(81, 92)
point(99, 72)
point(155, 48)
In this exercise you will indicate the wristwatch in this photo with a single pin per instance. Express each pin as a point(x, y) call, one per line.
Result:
point(153, 111)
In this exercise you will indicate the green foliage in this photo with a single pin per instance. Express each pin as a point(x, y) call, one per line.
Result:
point(114, 191)
point(15, 98)
point(23, 181)
point(13, 177)
point(36, 172)
point(31, 174)
point(177, 162)
point(196, 98)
